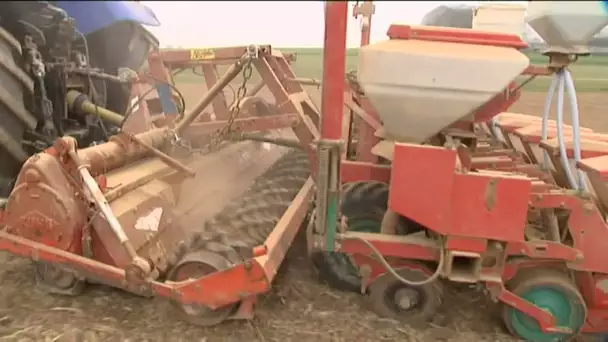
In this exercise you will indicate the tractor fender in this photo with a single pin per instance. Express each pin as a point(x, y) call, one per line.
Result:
point(92, 16)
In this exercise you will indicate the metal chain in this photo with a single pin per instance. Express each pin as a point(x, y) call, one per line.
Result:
point(240, 95)
point(218, 137)
point(351, 77)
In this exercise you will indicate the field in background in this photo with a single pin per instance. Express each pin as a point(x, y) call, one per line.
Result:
point(590, 73)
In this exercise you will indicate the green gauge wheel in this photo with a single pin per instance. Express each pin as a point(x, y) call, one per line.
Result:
point(552, 291)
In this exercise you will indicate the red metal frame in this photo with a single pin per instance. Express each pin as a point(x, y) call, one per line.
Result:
point(460, 206)
point(294, 109)
point(273, 67)
point(334, 63)
point(253, 277)
point(463, 36)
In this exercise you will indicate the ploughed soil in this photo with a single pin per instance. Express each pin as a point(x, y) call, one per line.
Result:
point(299, 308)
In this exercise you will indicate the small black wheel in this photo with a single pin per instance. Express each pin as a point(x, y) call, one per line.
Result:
point(363, 204)
point(553, 291)
point(57, 280)
point(389, 297)
point(193, 266)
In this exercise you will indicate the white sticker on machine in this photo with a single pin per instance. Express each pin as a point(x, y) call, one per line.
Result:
point(150, 222)
point(135, 105)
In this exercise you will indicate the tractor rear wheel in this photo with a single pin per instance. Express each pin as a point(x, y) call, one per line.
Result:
point(15, 87)
point(363, 204)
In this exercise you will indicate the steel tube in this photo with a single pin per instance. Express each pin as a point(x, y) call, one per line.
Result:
point(334, 63)
point(88, 107)
point(121, 150)
point(546, 114)
point(576, 126)
point(189, 117)
point(560, 130)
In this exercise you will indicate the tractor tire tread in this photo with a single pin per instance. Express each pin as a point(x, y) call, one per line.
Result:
point(15, 88)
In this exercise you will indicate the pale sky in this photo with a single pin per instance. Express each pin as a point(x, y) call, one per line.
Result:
point(279, 23)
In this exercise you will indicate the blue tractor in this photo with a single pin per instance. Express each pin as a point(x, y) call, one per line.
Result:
point(48, 48)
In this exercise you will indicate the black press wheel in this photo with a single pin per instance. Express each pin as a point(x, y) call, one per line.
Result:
point(363, 204)
point(196, 265)
point(390, 298)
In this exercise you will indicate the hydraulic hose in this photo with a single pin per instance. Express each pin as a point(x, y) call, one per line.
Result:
point(576, 126)
point(560, 130)
point(546, 114)
point(393, 272)
point(564, 83)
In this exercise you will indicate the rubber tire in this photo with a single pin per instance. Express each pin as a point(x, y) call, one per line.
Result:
point(528, 279)
point(16, 87)
point(432, 296)
point(367, 199)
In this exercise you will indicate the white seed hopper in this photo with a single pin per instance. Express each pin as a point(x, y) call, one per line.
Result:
point(567, 26)
point(420, 87)
point(500, 17)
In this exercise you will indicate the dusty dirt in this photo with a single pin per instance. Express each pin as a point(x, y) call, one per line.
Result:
point(299, 307)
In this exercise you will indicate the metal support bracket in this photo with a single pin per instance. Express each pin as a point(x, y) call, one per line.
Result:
point(329, 154)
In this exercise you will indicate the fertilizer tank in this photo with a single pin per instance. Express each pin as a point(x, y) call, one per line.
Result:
point(419, 87)
point(567, 27)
